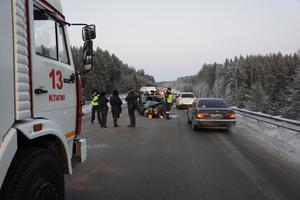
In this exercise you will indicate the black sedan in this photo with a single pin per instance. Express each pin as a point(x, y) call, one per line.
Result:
point(210, 113)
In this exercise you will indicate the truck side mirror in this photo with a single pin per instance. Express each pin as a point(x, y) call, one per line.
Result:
point(88, 55)
point(89, 32)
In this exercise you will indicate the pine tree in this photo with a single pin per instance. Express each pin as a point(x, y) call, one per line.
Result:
point(109, 73)
point(268, 83)
point(257, 100)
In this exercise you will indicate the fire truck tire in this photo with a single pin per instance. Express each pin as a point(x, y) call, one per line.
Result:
point(35, 174)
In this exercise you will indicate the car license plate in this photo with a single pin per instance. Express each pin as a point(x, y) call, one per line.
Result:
point(216, 116)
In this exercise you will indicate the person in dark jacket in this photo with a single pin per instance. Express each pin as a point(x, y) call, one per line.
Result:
point(103, 108)
point(116, 107)
point(131, 99)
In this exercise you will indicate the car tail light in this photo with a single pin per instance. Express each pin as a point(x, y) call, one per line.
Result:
point(201, 115)
point(231, 116)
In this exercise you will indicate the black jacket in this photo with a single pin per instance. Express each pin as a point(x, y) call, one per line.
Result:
point(116, 104)
point(131, 98)
point(103, 101)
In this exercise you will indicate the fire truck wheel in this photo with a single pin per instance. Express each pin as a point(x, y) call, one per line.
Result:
point(34, 174)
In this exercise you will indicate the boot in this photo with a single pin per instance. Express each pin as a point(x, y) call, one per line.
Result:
point(116, 122)
point(167, 115)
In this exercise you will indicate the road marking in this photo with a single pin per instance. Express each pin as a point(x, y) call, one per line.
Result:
point(249, 170)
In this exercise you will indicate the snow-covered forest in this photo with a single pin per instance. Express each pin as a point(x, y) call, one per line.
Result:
point(269, 83)
point(109, 73)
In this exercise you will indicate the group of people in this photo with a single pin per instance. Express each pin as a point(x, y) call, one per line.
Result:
point(99, 105)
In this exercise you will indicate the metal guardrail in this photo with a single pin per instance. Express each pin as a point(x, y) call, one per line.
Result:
point(276, 121)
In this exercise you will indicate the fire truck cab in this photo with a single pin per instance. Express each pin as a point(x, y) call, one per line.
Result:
point(40, 99)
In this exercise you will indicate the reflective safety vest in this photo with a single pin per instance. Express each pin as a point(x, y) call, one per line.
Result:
point(95, 100)
point(170, 99)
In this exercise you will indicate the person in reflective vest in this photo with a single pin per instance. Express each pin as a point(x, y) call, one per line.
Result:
point(169, 102)
point(95, 106)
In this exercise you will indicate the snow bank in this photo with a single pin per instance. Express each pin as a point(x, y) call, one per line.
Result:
point(284, 136)
point(87, 110)
point(263, 115)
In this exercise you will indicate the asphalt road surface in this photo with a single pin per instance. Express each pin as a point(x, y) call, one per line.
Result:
point(165, 160)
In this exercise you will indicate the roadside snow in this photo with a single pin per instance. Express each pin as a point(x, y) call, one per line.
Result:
point(86, 109)
point(268, 116)
point(280, 138)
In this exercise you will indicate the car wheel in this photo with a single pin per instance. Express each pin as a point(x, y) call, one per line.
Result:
point(188, 119)
point(35, 174)
point(194, 126)
point(141, 112)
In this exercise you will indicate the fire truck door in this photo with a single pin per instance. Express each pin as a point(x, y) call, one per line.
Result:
point(53, 76)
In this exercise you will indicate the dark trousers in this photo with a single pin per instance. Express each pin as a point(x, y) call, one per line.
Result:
point(103, 112)
point(95, 109)
point(115, 122)
point(131, 114)
point(168, 107)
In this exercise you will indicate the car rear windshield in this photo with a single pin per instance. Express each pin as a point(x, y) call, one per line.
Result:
point(212, 103)
point(187, 96)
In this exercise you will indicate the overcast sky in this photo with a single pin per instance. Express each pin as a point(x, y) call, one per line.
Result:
point(172, 38)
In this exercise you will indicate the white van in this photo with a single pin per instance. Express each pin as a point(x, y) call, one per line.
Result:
point(185, 99)
point(148, 89)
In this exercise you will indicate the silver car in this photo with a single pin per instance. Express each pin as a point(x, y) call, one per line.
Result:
point(210, 113)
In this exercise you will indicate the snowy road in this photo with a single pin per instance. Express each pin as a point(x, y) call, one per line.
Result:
point(163, 159)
